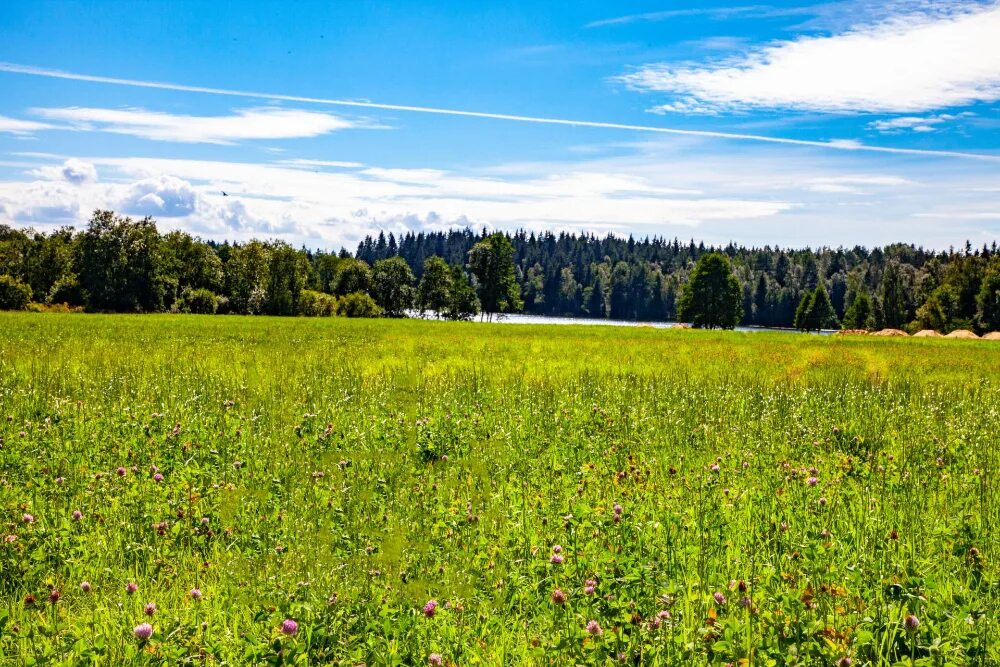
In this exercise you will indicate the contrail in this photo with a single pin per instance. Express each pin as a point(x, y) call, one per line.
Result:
point(162, 85)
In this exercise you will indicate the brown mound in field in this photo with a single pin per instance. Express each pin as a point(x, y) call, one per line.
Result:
point(993, 335)
point(852, 332)
point(961, 333)
point(890, 332)
point(927, 333)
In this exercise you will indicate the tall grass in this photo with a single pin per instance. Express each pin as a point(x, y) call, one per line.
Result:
point(343, 473)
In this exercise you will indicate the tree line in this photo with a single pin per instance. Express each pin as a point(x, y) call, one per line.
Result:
point(118, 264)
point(582, 275)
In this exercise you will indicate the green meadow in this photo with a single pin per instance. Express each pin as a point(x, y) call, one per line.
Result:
point(335, 491)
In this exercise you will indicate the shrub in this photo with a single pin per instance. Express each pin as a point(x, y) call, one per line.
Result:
point(14, 294)
point(358, 304)
point(54, 308)
point(67, 290)
point(199, 301)
point(317, 304)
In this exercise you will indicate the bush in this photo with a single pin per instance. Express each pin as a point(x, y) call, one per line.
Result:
point(199, 301)
point(358, 304)
point(54, 308)
point(317, 304)
point(14, 294)
point(67, 290)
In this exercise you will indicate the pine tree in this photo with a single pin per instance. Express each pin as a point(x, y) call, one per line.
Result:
point(802, 312)
point(988, 299)
point(713, 297)
point(821, 313)
point(860, 314)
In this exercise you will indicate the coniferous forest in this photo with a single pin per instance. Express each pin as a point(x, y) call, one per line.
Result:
point(121, 265)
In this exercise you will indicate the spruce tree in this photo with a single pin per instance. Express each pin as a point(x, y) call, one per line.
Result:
point(802, 312)
point(861, 313)
point(712, 299)
point(821, 313)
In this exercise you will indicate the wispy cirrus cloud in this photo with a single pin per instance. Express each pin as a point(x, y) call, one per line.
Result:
point(462, 113)
point(243, 125)
point(20, 127)
point(711, 12)
point(831, 15)
point(915, 123)
point(913, 62)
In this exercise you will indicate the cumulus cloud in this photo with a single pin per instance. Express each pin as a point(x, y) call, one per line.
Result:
point(165, 196)
point(772, 194)
point(244, 124)
point(909, 63)
point(72, 171)
point(42, 202)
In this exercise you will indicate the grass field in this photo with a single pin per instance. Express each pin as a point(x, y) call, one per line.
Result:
point(300, 491)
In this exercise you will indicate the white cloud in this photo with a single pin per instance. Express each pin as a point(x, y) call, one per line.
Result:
point(685, 187)
point(910, 63)
point(914, 123)
point(164, 196)
point(43, 201)
point(244, 124)
point(336, 164)
point(711, 12)
point(854, 184)
point(21, 127)
point(460, 113)
point(71, 171)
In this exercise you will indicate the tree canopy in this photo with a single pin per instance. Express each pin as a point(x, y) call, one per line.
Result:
point(121, 264)
point(712, 298)
point(492, 263)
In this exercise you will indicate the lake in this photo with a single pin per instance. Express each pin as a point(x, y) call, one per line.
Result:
point(520, 318)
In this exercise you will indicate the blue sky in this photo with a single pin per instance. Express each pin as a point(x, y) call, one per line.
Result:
point(836, 123)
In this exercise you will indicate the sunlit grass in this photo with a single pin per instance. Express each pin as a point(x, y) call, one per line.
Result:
point(342, 473)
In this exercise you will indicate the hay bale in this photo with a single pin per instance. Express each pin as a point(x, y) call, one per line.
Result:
point(993, 335)
point(891, 332)
point(962, 333)
point(852, 332)
point(927, 333)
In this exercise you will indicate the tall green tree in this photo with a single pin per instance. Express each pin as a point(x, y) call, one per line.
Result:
point(463, 304)
point(434, 289)
point(353, 275)
point(247, 277)
point(892, 296)
point(492, 263)
point(821, 314)
point(185, 263)
point(939, 311)
point(988, 299)
point(802, 312)
point(118, 264)
point(392, 286)
point(288, 275)
point(712, 298)
point(860, 314)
